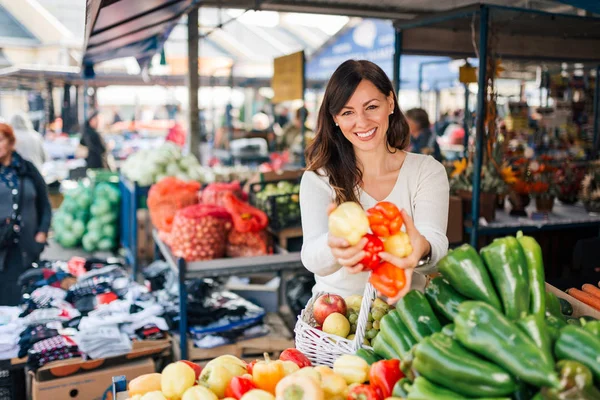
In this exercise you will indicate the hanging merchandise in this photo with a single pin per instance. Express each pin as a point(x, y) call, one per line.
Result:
point(166, 197)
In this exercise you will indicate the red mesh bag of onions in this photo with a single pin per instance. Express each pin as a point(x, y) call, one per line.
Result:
point(200, 232)
point(168, 196)
point(215, 193)
point(248, 244)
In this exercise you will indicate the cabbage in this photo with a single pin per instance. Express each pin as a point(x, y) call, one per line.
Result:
point(68, 239)
point(108, 218)
point(88, 242)
point(173, 169)
point(109, 231)
point(100, 207)
point(106, 244)
point(94, 224)
point(78, 228)
point(188, 162)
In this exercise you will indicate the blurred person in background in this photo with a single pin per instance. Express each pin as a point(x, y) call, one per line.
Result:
point(422, 139)
point(29, 143)
point(94, 146)
point(25, 215)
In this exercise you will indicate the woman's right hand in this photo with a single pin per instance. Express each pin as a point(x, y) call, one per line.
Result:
point(346, 255)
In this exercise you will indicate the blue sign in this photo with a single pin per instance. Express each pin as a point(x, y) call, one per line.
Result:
point(373, 40)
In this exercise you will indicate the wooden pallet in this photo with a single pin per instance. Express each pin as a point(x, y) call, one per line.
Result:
point(274, 343)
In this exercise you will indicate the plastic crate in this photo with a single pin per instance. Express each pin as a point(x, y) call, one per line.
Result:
point(12, 384)
point(283, 210)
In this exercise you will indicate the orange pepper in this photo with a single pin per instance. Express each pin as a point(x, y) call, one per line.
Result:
point(388, 279)
point(267, 374)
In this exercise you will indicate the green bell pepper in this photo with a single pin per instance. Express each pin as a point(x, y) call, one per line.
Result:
point(486, 331)
point(368, 355)
point(422, 389)
point(448, 330)
point(507, 265)
point(554, 325)
point(553, 306)
point(465, 271)
point(577, 344)
point(593, 327)
point(535, 271)
point(443, 298)
point(417, 315)
point(445, 362)
point(400, 388)
point(394, 339)
point(576, 383)
point(535, 327)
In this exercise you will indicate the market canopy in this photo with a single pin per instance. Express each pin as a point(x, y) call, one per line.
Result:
point(129, 28)
point(516, 34)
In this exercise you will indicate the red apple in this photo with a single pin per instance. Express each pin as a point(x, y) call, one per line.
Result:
point(328, 304)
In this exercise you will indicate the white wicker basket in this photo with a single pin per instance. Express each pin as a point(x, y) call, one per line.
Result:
point(322, 348)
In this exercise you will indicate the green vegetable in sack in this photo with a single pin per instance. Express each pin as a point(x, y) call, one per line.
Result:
point(68, 239)
point(94, 224)
point(109, 231)
point(88, 242)
point(100, 207)
point(105, 244)
point(78, 228)
point(109, 218)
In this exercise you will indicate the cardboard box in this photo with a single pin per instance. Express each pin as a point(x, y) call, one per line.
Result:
point(90, 385)
point(145, 245)
point(579, 308)
point(75, 366)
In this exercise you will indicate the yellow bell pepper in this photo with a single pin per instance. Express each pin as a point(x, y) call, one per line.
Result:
point(144, 384)
point(216, 377)
point(289, 367)
point(398, 245)
point(352, 368)
point(156, 395)
point(257, 394)
point(232, 363)
point(199, 393)
point(176, 379)
point(349, 221)
point(135, 397)
point(310, 372)
point(332, 384)
point(267, 374)
point(295, 387)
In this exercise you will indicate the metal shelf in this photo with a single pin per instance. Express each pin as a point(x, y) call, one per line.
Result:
point(281, 261)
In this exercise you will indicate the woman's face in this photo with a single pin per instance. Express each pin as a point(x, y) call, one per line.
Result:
point(364, 120)
point(6, 147)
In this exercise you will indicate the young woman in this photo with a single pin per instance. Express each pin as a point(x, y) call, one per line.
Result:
point(358, 155)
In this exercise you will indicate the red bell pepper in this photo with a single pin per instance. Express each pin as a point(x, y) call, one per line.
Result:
point(295, 356)
point(388, 279)
point(384, 374)
point(385, 219)
point(373, 247)
point(238, 386)
point(364, 392)
point(250, 366)
point(197, 368)
point(245, 217)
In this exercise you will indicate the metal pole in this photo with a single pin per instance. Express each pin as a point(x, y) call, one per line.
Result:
point(303, 113)
point(183, 345)
point(466, 122)
point(596, 111)
point(397, 58)
point(420, 87)
point(483, 39)
point(193, 83)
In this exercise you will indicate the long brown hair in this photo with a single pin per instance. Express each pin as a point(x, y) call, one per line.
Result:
point(330, 150)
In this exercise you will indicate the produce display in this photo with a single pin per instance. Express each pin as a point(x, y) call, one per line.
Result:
point(350, 222)
point(279, 200)
point(88, 217)
point(589, 294)
point(488, 329)
point(149, 166)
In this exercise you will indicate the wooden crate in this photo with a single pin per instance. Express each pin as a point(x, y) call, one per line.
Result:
point(274, 343)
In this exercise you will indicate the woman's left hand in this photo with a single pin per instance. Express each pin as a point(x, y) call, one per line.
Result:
point(41, 237)
point(421, 248)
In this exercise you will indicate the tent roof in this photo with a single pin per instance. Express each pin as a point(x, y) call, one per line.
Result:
point(519, 34)
point(12, 29)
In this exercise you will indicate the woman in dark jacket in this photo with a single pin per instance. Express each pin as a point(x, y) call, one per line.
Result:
point(25, 215)
point(96, 148)
point(422, 139)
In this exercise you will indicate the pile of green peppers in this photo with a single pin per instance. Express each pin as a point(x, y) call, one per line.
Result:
point(487, 329)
